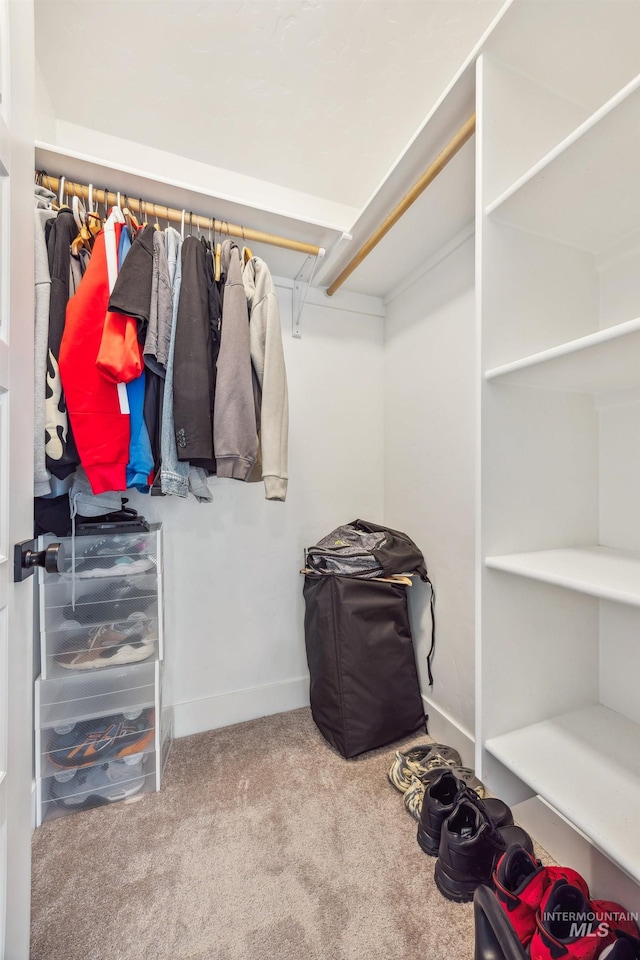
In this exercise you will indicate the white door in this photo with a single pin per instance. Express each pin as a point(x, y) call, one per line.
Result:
point(16, 469)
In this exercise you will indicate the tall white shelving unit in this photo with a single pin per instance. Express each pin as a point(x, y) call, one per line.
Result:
point(558, 275)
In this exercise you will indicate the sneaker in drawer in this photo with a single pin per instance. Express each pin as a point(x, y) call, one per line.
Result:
point(116, 737)
point(103, 783)
point(115, 601)
point(111, 644)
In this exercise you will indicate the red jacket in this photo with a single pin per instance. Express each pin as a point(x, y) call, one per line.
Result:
point(97, 398)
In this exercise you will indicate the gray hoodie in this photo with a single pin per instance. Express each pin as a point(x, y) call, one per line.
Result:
point(267, 358)
point(234, 429)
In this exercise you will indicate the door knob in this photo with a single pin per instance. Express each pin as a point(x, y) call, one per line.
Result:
point(26, 558)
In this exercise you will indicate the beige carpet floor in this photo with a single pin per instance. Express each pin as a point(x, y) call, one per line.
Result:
point(264, 844)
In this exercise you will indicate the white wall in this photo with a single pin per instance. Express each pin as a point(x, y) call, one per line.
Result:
point(233, 592)
point(429, 470)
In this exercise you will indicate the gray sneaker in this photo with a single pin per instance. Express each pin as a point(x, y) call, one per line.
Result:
point(418, 760)
point(102, 783)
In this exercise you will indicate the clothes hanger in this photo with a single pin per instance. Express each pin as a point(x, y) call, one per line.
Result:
point(93, 217)
point(61, 193)
point(182, 225)
point(219, 254)
point(130, 220)
point(79, 215)
point(246, 251)
point(156, 225)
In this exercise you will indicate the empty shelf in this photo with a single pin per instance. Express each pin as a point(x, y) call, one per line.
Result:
point(584, 763)
point(583, 192)
point(606, 360)
point(600, 571)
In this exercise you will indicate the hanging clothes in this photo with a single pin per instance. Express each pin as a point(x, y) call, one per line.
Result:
point(193, 381)
point(158, 338)
point(61, 453)
point(269, 377)
point(140, 465)
point(130, 298)
point(190, 369)
point(173, 473)
point(215, 309)
point(98, 403)
point(77, 268)
point(43, 213)
point(156, 344)
point(235, 430)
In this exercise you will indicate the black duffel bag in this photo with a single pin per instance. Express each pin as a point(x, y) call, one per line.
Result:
point(364, 688)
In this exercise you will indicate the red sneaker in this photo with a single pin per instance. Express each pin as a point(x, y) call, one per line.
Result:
point(571, 927)
point(520, 883)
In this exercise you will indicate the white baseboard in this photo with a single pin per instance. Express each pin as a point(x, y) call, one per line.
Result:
point(444, 729)
point(196, 716)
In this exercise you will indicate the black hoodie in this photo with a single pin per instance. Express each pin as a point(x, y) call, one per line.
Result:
point(61, 453)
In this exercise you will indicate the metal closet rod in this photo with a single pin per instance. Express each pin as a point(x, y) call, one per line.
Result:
point(464, 133)
point(109, 198)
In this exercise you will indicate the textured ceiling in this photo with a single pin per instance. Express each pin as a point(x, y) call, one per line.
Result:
point(319, 96)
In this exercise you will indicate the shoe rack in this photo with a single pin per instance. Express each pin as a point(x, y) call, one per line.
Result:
point(558, 305)
point(102, 734)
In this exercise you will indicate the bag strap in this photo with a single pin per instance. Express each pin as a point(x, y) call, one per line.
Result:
point(433, 631)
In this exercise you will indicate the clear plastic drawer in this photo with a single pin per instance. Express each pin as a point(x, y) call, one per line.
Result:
point(109, 545)
point(123, 594)
point(90, 647)
point(85, 696)
point(75, 745)
point(115, 781)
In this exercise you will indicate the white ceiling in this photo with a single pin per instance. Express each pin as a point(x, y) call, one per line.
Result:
point(320, 96)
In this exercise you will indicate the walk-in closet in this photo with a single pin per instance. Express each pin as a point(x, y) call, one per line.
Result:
point(319, 459)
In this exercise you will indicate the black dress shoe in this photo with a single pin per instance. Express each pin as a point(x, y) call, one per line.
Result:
point(440, 800)
point(470, 847)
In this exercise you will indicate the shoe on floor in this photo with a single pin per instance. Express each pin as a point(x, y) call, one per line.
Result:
point(107, 738)
point(112, 644)
point(415, 794)
point(569, 926)
point(441, 798)
point(625, 947)
point(520, 883)
point(470, 847)
point(420, 760)
point(102, 783)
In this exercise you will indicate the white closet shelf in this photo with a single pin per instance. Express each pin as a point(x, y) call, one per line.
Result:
point(583, 763)
point(602, 361)
point(583, 192)
point(166, 190)
point(603, 572)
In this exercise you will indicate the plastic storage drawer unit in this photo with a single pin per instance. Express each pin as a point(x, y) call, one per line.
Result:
point(102, 733)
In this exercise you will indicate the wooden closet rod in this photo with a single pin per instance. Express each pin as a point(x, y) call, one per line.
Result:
point(109, 198)
point(464, 133)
